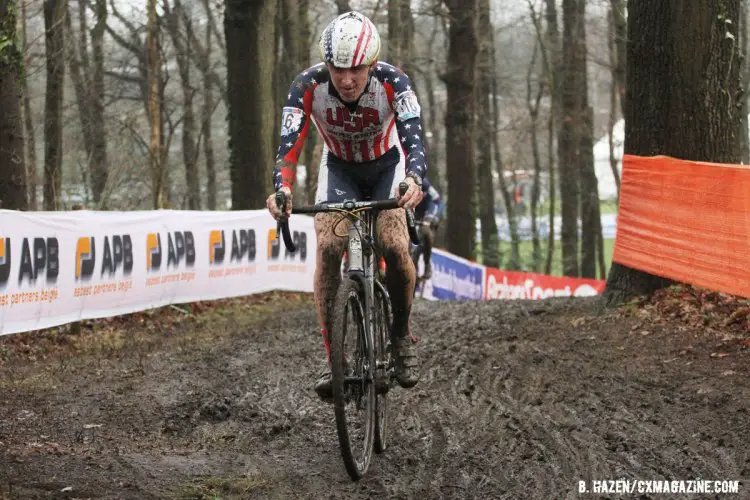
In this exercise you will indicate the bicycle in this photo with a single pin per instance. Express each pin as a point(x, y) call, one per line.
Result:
point(363, 376)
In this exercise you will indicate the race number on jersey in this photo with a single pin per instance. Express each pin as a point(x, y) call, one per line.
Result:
point(407, 106)
point(291, 119)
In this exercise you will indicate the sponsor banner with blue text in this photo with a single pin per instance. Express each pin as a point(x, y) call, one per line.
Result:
point(453, 278)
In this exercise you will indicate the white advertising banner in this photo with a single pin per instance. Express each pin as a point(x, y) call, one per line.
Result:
point(59, 267)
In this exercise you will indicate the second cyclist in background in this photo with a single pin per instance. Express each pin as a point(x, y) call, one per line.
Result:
point(428, 215)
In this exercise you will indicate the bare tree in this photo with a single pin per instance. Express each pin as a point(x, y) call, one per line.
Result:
point(589, 187)
point(613, 91)
point(13, 171)
point(743, 27)
point(30, 148)
point(619, 20)
point(249, 26)
point(510, 211)
point(159, 185)
point(683, 83)
point(181, 42)
point(460, 80)
point(549, 48)
point(568, 142)
point(400, 34)
point(552, 60)
point(88, 83)
point(486, 186)
point(533, 103)
point(54, 22)
point(208, 111)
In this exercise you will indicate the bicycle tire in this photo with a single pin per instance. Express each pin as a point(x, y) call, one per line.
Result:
point(348, 297)
point(382, 334)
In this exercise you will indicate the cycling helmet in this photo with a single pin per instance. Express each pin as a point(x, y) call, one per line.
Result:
point(349, 41)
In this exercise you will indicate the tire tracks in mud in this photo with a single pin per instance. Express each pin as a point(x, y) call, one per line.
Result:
point(517, 400)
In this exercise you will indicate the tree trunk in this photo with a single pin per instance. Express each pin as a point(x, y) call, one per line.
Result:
point(688, 52)
point(744, 139)
point(99, 162)
point(460, 81)
point(400, 34)
point(621, 48)
point(54, 23)
point(568, 143)
point(533, 103)
point(432, 137)
point(12, 166)
point(510, 211)
point(613, 93)
point(589, 188)
point(79, 74)
point(590, 218)
point(486, 186)
point(250, 30)
point(189, 146)
point(290, 63)
point(30, 146)
point(207, 113)
point(551, 55)
point(159, 187)
point(311, 162)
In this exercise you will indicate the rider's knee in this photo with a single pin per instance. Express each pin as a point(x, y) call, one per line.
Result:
point(330, 246)
point(330, 250)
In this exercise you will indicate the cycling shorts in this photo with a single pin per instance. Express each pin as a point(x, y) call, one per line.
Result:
point(378, 179)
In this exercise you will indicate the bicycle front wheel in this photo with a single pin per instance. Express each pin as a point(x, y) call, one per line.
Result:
point(382, 335)
point(352, 373)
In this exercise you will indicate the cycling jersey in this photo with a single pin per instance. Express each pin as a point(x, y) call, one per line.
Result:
point(387, 115)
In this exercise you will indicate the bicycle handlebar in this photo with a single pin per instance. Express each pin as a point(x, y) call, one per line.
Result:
point(411, 224)
point(282, 226)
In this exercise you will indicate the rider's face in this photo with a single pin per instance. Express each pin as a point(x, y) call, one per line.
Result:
point(350, 83)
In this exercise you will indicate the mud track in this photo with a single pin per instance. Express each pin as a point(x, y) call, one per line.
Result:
point(517, 400)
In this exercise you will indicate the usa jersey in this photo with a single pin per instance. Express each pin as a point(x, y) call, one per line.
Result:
point(386, 115)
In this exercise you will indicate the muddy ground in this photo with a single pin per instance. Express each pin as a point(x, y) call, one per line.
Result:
point(517, 400)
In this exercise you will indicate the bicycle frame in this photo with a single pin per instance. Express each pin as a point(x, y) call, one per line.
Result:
point(361, 264)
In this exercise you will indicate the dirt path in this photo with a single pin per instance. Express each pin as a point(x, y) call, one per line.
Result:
point(517, 400)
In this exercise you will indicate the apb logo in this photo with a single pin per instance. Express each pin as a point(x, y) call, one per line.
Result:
point(274, 246)
point(85, 257)
point(180, 246)
point(4, 260)
point(45, 259)
point(243, 245)
point(153, 251)
point(118, 254)
point(216, 247)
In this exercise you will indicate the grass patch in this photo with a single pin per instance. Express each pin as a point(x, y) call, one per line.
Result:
point(526, 249)
point(220, 488)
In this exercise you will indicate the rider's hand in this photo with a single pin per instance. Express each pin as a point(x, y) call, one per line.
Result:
point(271, 203)
point(413, 195)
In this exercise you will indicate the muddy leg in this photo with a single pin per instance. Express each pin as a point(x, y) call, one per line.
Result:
point(328, 270)
point(400, 272)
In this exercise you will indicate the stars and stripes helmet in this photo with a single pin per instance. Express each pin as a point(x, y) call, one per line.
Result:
point(349, 41)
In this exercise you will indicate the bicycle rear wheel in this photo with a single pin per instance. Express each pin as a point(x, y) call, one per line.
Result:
point(352, 370)
point(383, 373)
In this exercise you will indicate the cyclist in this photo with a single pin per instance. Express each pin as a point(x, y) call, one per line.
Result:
point(368, 116)
point(428, 214)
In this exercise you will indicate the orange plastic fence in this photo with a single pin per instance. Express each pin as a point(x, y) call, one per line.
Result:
point(685, 220)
